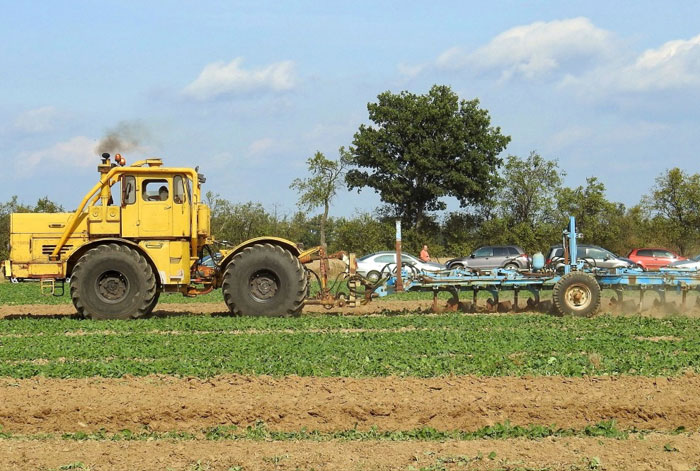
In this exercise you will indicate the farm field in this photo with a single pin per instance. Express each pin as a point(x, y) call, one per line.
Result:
point(386, 386)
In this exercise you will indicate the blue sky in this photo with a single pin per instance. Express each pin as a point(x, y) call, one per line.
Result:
point(249, 90)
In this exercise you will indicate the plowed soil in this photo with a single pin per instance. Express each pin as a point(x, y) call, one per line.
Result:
point(167, 309)
point(567, 454)
point(375, 307)
point(41, 405)
point(329, 404)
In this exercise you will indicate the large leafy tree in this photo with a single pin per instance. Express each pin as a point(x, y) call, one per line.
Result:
point(425, 147)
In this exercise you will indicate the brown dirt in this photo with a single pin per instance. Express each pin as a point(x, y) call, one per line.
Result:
point(375, 307)
point(550, 454)
point(40, 405)
point(166, 309)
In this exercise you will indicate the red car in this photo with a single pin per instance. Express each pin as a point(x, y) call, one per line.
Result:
point(653, 259)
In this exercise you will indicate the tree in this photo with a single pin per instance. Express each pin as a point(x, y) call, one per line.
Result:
point(530, 187)
point(323, 184)
point(675, 203)
point(596, 217)
point(425, 147)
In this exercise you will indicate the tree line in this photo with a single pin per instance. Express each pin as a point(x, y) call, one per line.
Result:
point(420, 149)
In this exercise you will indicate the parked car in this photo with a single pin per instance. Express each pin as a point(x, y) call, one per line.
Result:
point(596, 256)
point(653, 259)
point(690, 264)
point(493, 256)
point(371, 266)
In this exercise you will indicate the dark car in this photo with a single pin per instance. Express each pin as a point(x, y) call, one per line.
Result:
point(594, 255)
point(493, 256)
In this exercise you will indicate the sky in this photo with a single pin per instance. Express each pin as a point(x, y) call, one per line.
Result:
point(248, 90)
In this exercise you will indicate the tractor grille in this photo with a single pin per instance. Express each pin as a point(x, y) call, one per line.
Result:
point(48, 249)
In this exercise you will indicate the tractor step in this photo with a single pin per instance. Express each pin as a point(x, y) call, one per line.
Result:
point(52, 287)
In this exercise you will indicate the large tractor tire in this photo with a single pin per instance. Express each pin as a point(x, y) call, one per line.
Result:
point(576, 294)
point(113, 281)
point(265, 280)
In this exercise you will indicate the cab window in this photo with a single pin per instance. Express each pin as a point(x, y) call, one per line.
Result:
point(155, 190)
point(178, 190)
point(128, 190)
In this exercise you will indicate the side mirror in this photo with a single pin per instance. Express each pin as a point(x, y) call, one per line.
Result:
point(472, 256)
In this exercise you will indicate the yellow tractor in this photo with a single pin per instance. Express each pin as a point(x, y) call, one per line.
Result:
point(120, 254)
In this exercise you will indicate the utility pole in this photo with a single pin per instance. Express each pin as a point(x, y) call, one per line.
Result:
point(399, 280)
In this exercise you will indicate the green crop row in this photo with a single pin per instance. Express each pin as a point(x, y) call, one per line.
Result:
point(407, 345)
point(260, 432)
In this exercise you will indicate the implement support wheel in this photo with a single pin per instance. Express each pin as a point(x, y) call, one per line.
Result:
point(265, 280)
point(576, 294)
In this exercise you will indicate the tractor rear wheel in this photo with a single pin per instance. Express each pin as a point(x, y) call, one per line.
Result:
point(113, 281)
point(265, 280)
point(576, 294)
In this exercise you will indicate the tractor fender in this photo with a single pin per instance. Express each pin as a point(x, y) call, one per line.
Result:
point(278, 241)
point(75, 256)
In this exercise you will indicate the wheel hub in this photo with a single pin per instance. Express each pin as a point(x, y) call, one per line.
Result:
point(264, 285)
point(112, 286)
point(578, 296)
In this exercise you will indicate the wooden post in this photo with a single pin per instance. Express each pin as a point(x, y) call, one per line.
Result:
point(399, 280)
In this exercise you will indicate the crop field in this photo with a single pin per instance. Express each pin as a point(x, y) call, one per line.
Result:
point(389, 387)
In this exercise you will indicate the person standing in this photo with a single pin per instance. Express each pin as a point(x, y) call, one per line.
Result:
point(424, 255)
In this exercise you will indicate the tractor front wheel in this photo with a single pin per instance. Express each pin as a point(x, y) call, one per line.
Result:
point(113, 281)
point(265, 280)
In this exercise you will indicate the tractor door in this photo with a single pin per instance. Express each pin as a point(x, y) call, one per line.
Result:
point(156, 207)
point(182, 207)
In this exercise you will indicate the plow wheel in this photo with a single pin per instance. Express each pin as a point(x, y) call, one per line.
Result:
point(113, 281)
point(576, 294)
point(265, 280)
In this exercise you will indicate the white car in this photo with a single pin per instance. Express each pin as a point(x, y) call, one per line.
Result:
point(371, 266)
point(692, 264)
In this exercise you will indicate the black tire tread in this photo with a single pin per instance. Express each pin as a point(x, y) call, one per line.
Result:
point(300, 277)
point(150, 298)
point(560, 288)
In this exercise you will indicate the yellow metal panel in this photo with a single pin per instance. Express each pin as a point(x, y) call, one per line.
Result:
point(46, 270)
point(159, 251)
point(20, 270)
point(203, 218)
point(7, 268)
point(44, 223)
point(179, 262)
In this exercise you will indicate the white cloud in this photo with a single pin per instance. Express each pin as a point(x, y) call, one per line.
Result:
point(38, 120)
point(534, 50)
point(675, 64)
point(220, 78)
point(261, 146)
point(409, 70)
point(78, 152)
